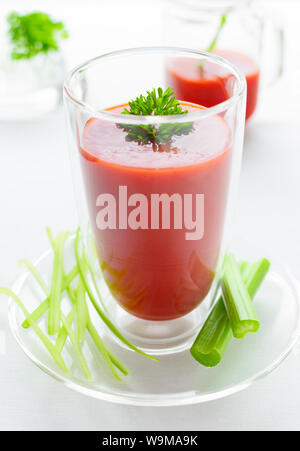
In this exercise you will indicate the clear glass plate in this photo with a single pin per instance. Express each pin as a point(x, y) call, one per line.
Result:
point(177, 379)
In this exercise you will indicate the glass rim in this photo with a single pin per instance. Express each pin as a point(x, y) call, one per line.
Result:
point(135, 119)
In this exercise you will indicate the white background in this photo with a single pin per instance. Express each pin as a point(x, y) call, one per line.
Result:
point(36, 190)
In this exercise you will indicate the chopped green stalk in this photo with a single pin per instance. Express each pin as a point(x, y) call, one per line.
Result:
point(93, 276)
point(104, 352)
point(117, 362)
point(213, 43)
point(43, 307)
point(56, 284)
point(68, 279)
point(36, 275)
point(77, 348)
point(240, 310)
point(44, 339)
point(78, 300)
point(102, 315)
point(37, 313)
point(82, 311)
point(50, 236)
point(214, 337)
point(254, 275)
point(216, 333)
point(63, 334)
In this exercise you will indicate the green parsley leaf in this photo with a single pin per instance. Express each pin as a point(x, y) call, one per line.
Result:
point(34, 33)
point(155, 103)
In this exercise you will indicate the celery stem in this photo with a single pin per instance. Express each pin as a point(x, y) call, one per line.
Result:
point(240, 310)
point(56, 284)
point(43, 307)
point(44, 339)
point(216, 333)
point(77, 348)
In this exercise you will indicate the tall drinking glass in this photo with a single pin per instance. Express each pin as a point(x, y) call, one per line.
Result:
point(157, 210)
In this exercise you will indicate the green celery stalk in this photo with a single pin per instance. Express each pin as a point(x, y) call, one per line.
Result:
point(254, 274)
point(109, 358)
point(107, 355)
point(102, 315)
point(50, 236)
point(44, 339)
point(36, 275)
point(37, 313)
point(77, 348)
point(56, 284)
point(116, 361)
point(78, 300)
point(82, 312)
point(214, 337)
point(43, 307)
point(68, 278)
point(93, 276)
point(216, 333)
point(240, 310)
point(63, 333)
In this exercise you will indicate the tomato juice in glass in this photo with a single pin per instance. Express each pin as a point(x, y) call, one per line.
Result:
point(201, 84)
point(158, 210)
point(157, 274)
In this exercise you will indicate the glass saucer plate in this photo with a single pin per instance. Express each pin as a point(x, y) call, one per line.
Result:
point(177, 379)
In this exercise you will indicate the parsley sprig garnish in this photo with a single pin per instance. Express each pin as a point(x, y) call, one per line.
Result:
point(34, 33)
point(155, 103)
point(162, 103)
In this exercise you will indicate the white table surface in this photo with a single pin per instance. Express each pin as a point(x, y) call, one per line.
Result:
point(36, 191)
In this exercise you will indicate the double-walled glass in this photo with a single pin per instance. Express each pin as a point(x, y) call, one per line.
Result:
point(157, 208)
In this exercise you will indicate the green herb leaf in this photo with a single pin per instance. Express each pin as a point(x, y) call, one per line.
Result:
point(34, 33)
point(160, 103)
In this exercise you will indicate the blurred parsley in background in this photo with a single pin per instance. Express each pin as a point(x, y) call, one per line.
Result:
point(34, 33)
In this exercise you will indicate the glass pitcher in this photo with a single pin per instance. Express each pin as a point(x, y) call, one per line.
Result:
point(235, 30)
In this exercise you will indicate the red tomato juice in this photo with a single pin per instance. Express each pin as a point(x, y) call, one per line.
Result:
point(210, 85)
point(158, 274)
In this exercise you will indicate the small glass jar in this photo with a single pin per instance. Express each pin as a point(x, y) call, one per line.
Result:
point(194, 24)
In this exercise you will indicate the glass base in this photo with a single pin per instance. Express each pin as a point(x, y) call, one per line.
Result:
point(157, 337)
